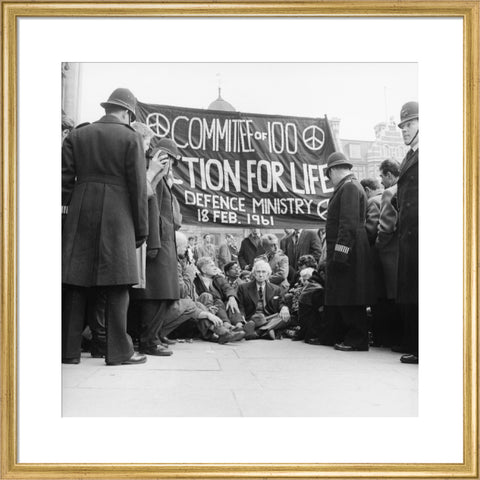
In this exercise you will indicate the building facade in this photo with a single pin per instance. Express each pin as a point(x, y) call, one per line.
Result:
point(367, 155)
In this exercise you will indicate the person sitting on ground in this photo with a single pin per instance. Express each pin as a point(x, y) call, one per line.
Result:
point(208, 281)
point(293, 296)
point(261, 304)
point(305, 261)
point(245, 276)
point(311, 308)
point(232, 275)
point(277, 260)
point(201, 321)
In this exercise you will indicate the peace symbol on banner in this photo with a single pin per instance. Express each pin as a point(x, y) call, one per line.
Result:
point(313, 137)
point(159, 124)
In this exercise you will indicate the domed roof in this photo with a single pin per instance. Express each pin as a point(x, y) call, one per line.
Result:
point(221, 104)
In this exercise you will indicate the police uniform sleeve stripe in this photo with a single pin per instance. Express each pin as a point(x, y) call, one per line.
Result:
point(342, 248)
point(64, 209)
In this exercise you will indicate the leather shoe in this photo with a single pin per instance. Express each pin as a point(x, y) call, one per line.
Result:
point(249, 327)
point(135, 359)
point(71, 361)
point(167, 341)
point(156, 350)
point(409, 358)
point(269, 335)
point(398, 349)
point(313, 341)
point(231, 337)
point(348, 348)
point(298, 337)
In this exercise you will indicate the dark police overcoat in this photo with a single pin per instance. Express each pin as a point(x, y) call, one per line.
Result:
point(161, 271)
point(349, 269)
point(407, 202)
point(104, 187)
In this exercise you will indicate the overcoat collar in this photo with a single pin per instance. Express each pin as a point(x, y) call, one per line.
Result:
point(110, 119)
point(409, 162)
point(342, 181)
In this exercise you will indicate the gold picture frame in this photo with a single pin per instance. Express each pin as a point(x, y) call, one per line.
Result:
point(469, 11)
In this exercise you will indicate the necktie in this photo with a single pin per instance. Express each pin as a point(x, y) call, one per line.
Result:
point(260, 293)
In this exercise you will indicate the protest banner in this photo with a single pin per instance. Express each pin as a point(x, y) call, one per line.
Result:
point(246, 170)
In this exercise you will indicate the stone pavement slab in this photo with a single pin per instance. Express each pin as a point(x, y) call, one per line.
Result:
point(256, 379)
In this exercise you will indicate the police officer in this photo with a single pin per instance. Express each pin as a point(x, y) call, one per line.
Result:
point(348, 276)
point(407, 204)
point(104, 190)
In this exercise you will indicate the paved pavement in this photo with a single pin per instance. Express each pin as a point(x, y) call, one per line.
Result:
point(247, 379)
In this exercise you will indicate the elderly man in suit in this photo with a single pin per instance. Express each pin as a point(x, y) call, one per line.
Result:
point(261, 302)
point(104, 190)
point(407, 202)
point(348, 277)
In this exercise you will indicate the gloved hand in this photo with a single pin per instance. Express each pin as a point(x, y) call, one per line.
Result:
point(152, 253)
point(140, 241)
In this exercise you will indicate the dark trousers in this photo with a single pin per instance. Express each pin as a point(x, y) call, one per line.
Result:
point(74, 309)
point(386, 323)
point(350, 325)
point(409, 312)
point(152, 316)
point(96, 306)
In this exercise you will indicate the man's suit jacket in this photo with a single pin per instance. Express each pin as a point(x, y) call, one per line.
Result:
point(308, 244)
point(387, 241)
point(373, 216)
point(247, 296)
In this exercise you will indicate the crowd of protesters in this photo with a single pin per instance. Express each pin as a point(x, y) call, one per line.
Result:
point(134, 284)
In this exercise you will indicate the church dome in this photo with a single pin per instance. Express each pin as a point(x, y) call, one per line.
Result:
point(221, 104)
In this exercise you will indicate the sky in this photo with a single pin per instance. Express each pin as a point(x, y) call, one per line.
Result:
point(360, 94)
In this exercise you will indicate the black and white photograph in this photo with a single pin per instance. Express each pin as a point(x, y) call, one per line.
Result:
point(230, 261)
point(240, 239)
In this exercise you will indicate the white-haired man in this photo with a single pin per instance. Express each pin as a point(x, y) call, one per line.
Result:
point(261, 302)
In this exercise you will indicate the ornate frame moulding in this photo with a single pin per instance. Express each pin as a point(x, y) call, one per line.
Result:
point(467, 10)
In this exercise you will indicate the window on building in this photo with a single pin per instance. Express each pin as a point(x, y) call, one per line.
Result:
point(354, 150)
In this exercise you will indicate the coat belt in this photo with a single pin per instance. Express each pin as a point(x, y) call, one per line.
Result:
point(109, 179)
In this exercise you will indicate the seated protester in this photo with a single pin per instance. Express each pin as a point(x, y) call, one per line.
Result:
point(261, 304)
point(208, 325)
point(292, 298)
point(305, 261)
point(277, 260)
point(232, 274)
point(209, 281)
point(311, 309)
point(245, 276)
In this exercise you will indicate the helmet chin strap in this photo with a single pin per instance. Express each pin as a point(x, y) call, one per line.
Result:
point(410, 142)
